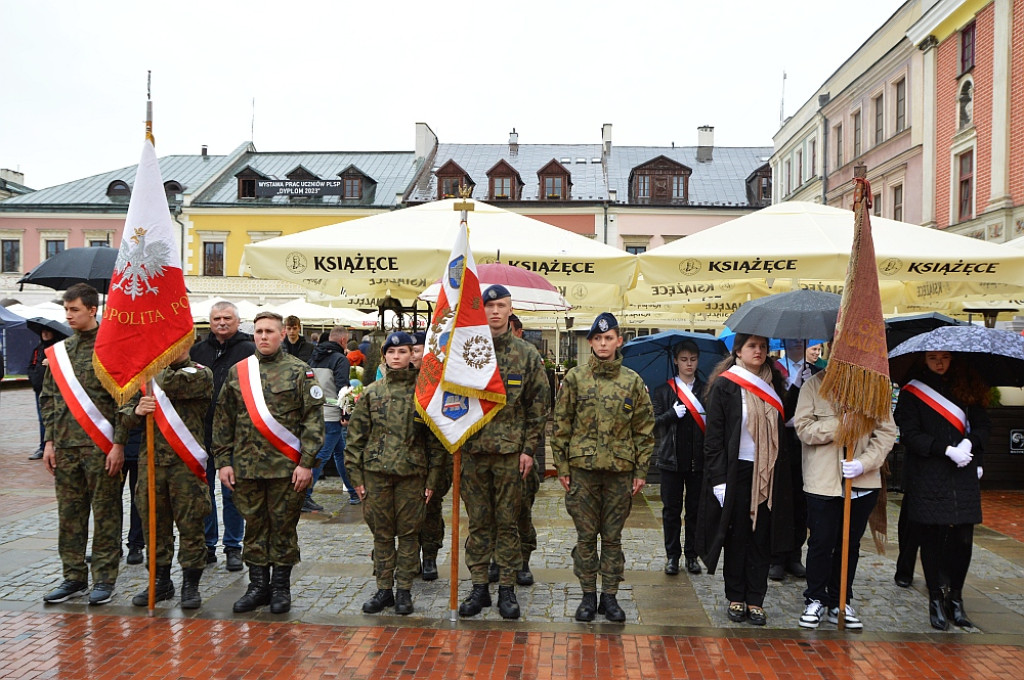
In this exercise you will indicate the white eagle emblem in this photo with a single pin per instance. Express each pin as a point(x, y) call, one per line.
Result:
point(138, 262)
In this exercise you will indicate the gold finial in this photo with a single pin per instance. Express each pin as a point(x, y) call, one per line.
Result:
point(464, 193)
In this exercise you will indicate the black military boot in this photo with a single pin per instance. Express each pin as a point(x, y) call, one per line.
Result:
point(937, 610)
point(164, 588)
point(258, 593)
point(508, 606)
point(429, 569)
point(190, 598)
point(955, 607)
point(524, 576)
point(403, 602)
point(380, 600)
point(588, 608)
point(493, 572)
point(610, 608)
point(281, 589)
point(477, 599)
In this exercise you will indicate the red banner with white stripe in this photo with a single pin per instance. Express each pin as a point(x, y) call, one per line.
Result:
point(177, 434)
point(755, 384)
point(256, 404)
point(940, 404)
point(82, 407)
point(690, 401)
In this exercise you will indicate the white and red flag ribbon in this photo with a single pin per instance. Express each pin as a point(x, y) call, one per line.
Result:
point(940, 404)
point(459, 388)
point(689, 400)
point(754, 383)
point(251, 384)
point(177, 433)
point(146, 321)
point(81, 405)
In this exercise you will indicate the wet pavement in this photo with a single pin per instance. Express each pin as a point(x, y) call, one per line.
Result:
point(675, 625)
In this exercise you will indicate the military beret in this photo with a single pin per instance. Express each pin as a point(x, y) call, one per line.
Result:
point(604, 322)
point(419, 338)
point(496, 292)
point(397, 339)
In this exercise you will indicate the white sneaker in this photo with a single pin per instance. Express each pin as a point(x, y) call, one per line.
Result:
point(812, 615)
point(852, 622)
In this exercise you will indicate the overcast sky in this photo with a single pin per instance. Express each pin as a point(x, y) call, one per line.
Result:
point(357, 76)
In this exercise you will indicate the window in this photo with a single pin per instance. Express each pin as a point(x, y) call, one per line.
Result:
point(788, 173)
point(879, 103)
point(98, 244)
point(636, 250)
point(679, 187)
point(11, 261)
point(897, 203)
point(53, 246)
point(839, 145)
point(967, 48)
point(876, 205)
point(502, 187)
point(812, 170)
point(553, 187)
point(901, 105)
point(118, 189)
point(213, 258)
point(643, 186)
point(505, 182)
point(172, 189)
point(246, 188)
point(450, 186)
point(353, 188)
point(856, 134)
point(799, 168)
point(766, 189)
point(965, 198)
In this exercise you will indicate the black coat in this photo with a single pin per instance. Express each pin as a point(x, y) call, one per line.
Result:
point(303, 349)
point(219, 358)
point(680, 442)
point(36, 369)
point(937, 491)
point(721, 457)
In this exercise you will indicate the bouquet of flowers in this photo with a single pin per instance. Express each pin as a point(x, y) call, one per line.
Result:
point(348, 396)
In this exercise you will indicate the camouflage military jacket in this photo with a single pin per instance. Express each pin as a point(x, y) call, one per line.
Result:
point(61, 427)
point(518, 426)
point(603, 420)
point(294, 398)
point(387, 435)
point(189, 386)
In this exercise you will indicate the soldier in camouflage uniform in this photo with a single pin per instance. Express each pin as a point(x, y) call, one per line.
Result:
point(85, 478)
point(182, 497)
point(394, 461)
point(604, 437)
point(269, 484)
point(498, 458)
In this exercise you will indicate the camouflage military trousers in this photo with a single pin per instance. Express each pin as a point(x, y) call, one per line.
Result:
point(599, 502)
point(83, 485)
point(524, 524)
point(432, 532)
point(182, 500)
point(394, 509)
point(492, 490)
point(271, 509)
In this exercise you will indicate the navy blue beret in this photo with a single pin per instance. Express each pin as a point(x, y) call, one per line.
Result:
point(604, 322)
point(496, 292)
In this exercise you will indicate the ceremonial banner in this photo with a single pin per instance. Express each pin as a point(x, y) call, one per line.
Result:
point(459, 388)
point(146, 320)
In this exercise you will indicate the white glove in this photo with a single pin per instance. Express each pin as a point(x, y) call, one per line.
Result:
point(958, 456)
point(853, 468)
point(805, 374)
point(679, 409)
point(965, 445)
point(980, 472)
point(719, 491)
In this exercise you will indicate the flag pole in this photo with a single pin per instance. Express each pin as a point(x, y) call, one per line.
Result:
point(150, 463)
point(453, 587)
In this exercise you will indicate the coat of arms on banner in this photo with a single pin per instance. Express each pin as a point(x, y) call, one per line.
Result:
point(454, 406)
point(455, 268)
point(138, 262)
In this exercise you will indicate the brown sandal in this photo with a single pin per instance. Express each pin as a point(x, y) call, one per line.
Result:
point(737, 611)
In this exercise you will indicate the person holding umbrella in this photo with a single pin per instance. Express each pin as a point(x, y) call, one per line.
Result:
point(50, 332)
point(746, 467)
point(944, 426)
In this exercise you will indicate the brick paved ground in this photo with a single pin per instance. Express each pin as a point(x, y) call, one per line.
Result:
point(675, 625)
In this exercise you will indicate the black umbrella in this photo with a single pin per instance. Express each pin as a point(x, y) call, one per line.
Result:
point(651, 355)
point(93, 265)
point(39, 323)
point(797, 315)
point(901, 328)
point(998, 356)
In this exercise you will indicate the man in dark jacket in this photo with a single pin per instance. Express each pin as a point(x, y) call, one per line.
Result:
point(223, 348)
point(679, 454)
point(331, 369)
point(294, 343)
point(36, 371)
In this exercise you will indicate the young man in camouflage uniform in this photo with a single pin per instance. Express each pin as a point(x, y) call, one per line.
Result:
point(182, 495)
point(604, 437)
point(86, 478)
point(498, 458)
point(265, 441)
point(394, 461)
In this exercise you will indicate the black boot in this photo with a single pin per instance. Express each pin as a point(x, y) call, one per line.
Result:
point(937, 611)
point(493, 572)
point(258, 593)
point(588, 608)
point(955, 607)
point(524, 576)
point(477, 599)
point(164, 588)
point(429, 569)
point(508, 606)
point(190, 598)
point(381, 599)
point(281, 590)
point(403, 602)
point(610, 608)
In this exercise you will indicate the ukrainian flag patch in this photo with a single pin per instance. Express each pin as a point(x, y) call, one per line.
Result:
point(515, 379)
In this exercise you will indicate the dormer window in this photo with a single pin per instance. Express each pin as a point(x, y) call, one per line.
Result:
point(118, 189)
point(356, 185)
point(505, 182)
point(247, 182)
point(660, 180)
point(759, 186)
point(555, 182)
point(450, 177)
point(172, 189)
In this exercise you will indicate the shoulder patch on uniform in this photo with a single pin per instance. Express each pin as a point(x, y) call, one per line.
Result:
point(627, 404)
point(199, 365)
point(316, 392)
point(309, 373)
point(515, 379)
point(191, 369)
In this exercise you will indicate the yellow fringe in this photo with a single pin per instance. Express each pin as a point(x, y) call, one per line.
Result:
point(122, 394)
point(477, 426)
point(462, 390)
point(863, 398)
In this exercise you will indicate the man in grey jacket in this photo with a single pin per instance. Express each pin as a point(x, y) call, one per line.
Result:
point(331, 368)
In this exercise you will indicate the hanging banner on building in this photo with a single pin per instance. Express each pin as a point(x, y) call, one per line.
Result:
point(299, 187)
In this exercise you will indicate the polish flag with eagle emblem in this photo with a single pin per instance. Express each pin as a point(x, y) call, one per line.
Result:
point(459, 388)
point(146, 320)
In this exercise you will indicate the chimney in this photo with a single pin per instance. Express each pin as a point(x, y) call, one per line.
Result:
point(513, 143)
point(426, 141)
point(203, 152)
point(12, 176)
point(823, 99)
point(705, 143)
point(606, 137)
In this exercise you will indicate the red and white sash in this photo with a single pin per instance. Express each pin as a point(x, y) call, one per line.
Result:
point(940, 404)
point(755, 384)
point(86, 413)
point(689, 400)
point(177, 433)
point(256, 404)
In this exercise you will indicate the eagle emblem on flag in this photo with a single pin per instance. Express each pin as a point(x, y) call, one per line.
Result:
point(139, 262)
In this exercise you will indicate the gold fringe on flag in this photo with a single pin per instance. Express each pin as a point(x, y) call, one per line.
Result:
point(122, 393)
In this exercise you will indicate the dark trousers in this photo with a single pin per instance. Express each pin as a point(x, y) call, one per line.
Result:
point(799, 503)
point(677, 488)
point(747, 547)
point(945, 555)
point(909, 540)
point(234, 523)
point(825, 545)
point(130, 476)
